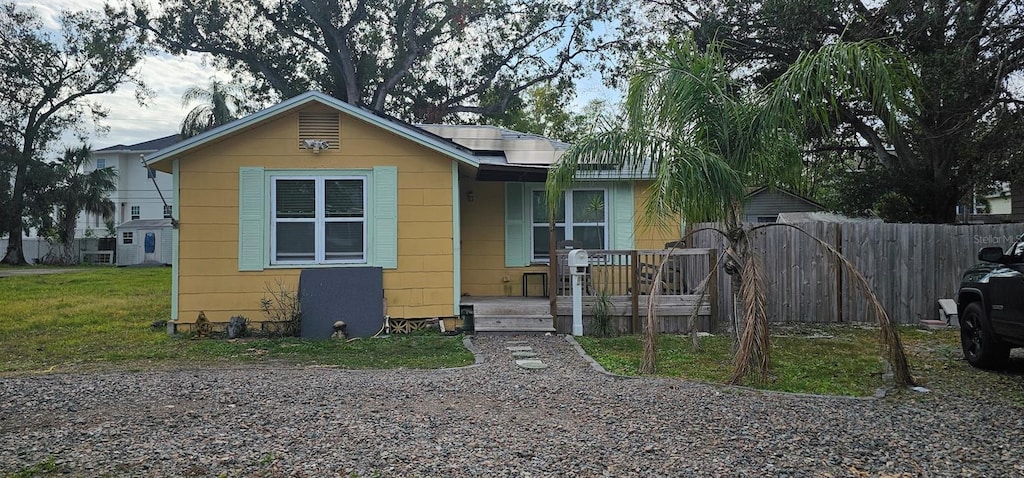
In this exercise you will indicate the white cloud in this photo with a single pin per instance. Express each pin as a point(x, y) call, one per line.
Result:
point(167, 76)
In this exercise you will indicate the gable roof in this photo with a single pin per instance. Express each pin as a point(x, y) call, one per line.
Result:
point(762, 189)
point(393, 125)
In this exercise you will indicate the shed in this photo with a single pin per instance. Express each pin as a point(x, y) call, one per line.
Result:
point(145, 241)
point(764, 204)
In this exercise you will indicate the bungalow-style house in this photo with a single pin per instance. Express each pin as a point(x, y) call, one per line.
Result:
point(450, 215)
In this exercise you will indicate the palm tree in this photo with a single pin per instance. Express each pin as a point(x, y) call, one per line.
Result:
point(704, 137)
point(75, 191)
point(220, 103)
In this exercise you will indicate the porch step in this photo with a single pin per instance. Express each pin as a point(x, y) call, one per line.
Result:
point(513, 323)
point(513, 307)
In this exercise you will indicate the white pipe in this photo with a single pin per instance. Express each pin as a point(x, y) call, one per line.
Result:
point(577, 304)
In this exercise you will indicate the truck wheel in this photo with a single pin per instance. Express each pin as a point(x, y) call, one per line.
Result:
point(981, 348)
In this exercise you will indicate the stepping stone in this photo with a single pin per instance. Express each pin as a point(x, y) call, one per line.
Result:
point(531, 364)
point(520, 348)
point(521, 355)
point(516, 342)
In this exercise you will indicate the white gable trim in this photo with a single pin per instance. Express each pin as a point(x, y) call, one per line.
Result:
point(411, 133)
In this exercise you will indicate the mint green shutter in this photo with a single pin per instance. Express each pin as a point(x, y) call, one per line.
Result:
point(517, 226)
point(384, 223)
point(622, 234)
point(252, 200)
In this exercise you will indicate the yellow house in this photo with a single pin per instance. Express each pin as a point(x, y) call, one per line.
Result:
point(445, 214)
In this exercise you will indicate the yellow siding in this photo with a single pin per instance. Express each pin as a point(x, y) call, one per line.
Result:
point(483, 240)
point(647, 235)
point(483, 243)
point(421, 286)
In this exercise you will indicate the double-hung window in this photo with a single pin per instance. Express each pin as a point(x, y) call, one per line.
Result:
point(318, 220)
point(581, 217)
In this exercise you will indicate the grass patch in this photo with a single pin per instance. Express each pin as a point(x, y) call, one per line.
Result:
point(830, 360)
point(937, 362)
point(101, 316)
point(842, 361)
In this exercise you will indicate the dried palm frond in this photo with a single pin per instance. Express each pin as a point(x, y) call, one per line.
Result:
point(889, 337)
point(702, 294)
point(753, 353)
point(649, 361)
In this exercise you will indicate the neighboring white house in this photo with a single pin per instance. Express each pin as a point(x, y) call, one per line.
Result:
point(136, 196)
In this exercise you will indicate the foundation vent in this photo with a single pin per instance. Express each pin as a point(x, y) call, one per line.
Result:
point(315, 129)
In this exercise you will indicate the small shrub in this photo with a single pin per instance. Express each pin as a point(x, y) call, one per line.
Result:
point(602, 314)
point(281, 305)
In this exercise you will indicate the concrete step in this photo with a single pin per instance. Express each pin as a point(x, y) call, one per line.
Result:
point(933, 324)
point(513, 323)
point(512, 308)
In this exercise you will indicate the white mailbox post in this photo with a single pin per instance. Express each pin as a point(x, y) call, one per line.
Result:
point(578, 261)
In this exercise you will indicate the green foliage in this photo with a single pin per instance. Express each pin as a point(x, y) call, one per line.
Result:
point(219, 104)
point(71, 191)
point(102, 319)
point(705, 138)
point(46, 78)
point(422, 61)
point(966, 55)
point(545, 111)
point(602, 313)
point(46, 467)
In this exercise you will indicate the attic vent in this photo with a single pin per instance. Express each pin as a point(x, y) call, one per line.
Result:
point(314, 128)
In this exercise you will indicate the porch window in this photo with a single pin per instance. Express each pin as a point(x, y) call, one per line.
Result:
point(582, 216)
point(318, 220)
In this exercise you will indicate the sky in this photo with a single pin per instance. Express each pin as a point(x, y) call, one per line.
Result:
point(169, 76)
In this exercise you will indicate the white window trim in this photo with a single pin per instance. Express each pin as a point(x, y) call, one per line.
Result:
point(566, 197)
point(319, 220)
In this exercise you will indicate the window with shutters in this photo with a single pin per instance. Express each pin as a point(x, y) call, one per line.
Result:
point(318, 220)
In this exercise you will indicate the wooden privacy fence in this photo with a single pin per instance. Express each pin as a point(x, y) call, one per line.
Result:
point(625, 278)
point(908, 266)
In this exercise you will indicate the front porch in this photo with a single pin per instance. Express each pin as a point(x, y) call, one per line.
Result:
point(618, 281)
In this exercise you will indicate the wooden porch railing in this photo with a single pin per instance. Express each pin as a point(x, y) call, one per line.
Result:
point(627, 277)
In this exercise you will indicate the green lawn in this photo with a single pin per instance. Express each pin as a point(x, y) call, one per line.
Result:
point(833, 360)
point(101, 316)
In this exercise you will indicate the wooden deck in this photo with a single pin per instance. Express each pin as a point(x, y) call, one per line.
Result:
point(625, 278)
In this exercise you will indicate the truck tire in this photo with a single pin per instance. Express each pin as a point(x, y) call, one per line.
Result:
point(981, 348)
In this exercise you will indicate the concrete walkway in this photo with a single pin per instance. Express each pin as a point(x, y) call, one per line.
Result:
point(31, 271)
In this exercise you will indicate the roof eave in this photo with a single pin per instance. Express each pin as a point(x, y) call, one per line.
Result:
point(305, 98)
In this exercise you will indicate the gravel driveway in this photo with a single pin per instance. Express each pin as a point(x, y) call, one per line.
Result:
point(491, 420)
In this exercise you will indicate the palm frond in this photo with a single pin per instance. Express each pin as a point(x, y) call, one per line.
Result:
point(649, 359)
point(889, 337)
point(813, 86)
point(753, 356)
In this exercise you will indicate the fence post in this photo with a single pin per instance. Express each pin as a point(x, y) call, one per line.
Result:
point(634, 325)
point(839, 273)
point(713, 289)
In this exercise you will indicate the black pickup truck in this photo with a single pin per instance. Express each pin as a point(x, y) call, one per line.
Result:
point(990, 304)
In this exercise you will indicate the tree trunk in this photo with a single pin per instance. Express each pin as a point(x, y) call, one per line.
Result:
point(15, 254)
